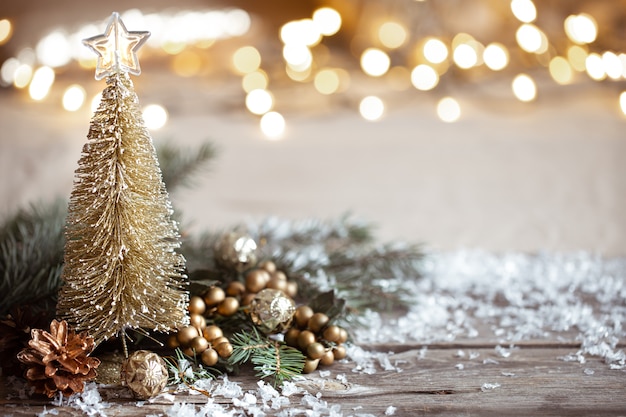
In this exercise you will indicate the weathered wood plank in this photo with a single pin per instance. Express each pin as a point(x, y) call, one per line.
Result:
point(439, 381)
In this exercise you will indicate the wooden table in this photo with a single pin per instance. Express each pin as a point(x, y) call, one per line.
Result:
point(466, 378)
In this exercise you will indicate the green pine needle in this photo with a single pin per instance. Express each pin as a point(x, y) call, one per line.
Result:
point(271, 358)
point(180, 166)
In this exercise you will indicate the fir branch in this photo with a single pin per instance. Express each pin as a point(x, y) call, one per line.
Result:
point(31, 257)
point(179, 166)
point(270, 357)
point(188, 370)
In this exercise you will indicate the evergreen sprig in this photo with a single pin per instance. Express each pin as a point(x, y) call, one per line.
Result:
point(31, 257)
point(183, 369)
point(271, 358)
point(179, 166)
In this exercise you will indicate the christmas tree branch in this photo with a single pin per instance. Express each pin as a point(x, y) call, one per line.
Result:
point(270, 357)
point(179, 167)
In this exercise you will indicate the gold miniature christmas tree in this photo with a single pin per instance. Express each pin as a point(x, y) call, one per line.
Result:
point(122, 270)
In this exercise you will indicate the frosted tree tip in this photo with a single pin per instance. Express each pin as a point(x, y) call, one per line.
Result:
point(117, 48)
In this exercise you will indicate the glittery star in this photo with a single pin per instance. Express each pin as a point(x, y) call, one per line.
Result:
point(116, 48)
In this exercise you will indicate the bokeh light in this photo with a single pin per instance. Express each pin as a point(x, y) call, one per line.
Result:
point(581, 28)
point(622, 102)
point(6, 30)
point(22, 75)
point(327, 81)
point(187, 64)
point(154, 116)
point(595, 67)
point(372, 108)
point(531, 39)
point(496, 56)
point(435, 51)
point(375, 62)
point(300, 32)
point(54, 50)
point(524, 10)
point(298, 56)
point(424, 77)
point(259, 101)
point(524, 88)
point(41, 83)
point(273, 125)
point(577, 56)
point(95, 102)
point(561, 71)
point(392, 35)
point(465, 56)
point(448, 110)
point(7, 71)
point(612, 65)
point(256, 80)
point(74, 97)
point(327, 21)
point(246, 59)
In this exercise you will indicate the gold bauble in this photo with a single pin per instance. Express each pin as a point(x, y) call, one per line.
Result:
point(332, 333)
point(256, 280)
point(272, 310)
point(145, 374)
point(315, 350)
point(305, 338)
point(197, 321)
point(224, 349)
point(209, 357)
point(228, 307)
point(196, 305)
point(236, 251)
point(317, 322)
point(214, 296)
point(339, 352)
point(186, 334)
point(199, 344)
point(212, 332)
point(302, 316)
point(328, 358)
point(310, 365)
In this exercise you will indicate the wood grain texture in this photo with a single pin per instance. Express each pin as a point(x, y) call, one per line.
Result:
point(442, 381)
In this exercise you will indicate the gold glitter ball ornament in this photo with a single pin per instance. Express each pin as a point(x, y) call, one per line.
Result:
point(145, 374)
point(272, 310)
point(236, 251)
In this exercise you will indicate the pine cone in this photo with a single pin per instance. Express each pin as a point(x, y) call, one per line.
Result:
point(59, 361)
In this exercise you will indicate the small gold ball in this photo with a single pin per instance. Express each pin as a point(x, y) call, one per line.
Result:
point(276, 283)
point(188, 351)
point(235, 289)
point(269, 266)
point(291, 337)
point(339, 352)
point(186, 334)
point(332, 333)
point(209, 357)
point(212, 332)
point(197, 321)
point(317, 322)
point(343, 338)
point(302, 316)
point(214, 296)
point(305, 338)
point(199, 344)
point(219, 341)
point(247, 299)
point(328, 358)
point(310, 365)
point(172, 341)
point(196, 305)
point(292, 289)
point(315, 350)
point(228, 307)
point(224, 349)
point(256, 280)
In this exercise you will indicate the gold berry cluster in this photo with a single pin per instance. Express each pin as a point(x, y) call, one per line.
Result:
point(321, 342)
point(202, 339)
point(257, 279)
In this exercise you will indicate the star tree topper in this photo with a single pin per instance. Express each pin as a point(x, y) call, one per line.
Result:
point(117, 48)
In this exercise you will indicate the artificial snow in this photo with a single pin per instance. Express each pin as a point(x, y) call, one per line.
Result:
point(489, 386)
point(391, 410)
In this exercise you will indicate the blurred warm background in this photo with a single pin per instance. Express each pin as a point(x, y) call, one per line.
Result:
point(494, 124)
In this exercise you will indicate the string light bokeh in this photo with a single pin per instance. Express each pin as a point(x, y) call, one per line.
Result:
point(400, 46)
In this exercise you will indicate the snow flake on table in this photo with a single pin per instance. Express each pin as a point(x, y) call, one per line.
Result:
point(513, 297)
